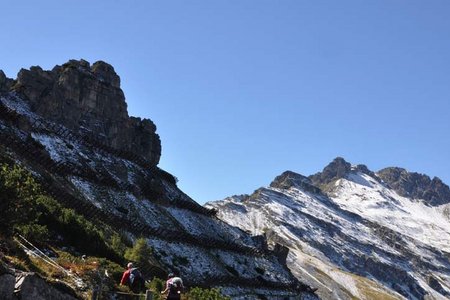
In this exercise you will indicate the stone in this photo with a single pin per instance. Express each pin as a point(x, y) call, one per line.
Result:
point(88, 99)
point(281, 252)
point(415, 185)
point(5, 82)
point(291, 179)
point(337, 169)
point(30, 286)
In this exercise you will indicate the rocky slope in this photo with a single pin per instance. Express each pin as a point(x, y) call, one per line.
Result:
point(70, 128)
point(354, 233)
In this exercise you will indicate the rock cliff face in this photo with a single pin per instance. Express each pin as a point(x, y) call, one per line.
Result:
point(291, 179)
point(415, 185)
point(87, 99)
point(335, 170)
point(30, 286)
point(5, 82)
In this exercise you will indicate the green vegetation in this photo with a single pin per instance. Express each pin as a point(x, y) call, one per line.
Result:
point(157, 285)
point(205, 294)
point(28, 211)
point(139, 253)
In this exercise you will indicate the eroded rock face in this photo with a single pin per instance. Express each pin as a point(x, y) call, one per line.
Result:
point(5, 82)
point(415, 185)
point(291, 179)
point(88, 99)
point(338, 168)
point(29, 286)
point(32, 287)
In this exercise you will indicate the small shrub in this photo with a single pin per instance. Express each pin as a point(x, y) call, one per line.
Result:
point(206, 294)
point(140, 253)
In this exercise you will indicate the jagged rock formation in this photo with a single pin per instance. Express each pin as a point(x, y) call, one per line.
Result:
point(355, 236)
point(87, 99)
point(415, 185)
point(16, 285)
point(291, 179)
point(5, 82)
point(335, 170)
point(123, 187)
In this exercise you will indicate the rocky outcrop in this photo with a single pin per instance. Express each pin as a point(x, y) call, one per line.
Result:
point(5, 83)
point(338, 168)
point(30, 286)
point(415, 185)
point(88, 99)
point(407, 184)
point(291, 179)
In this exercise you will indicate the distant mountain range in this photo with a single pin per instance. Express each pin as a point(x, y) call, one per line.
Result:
point(354, 233)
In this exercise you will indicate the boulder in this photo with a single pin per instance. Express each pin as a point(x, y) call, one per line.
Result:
point(30, 286)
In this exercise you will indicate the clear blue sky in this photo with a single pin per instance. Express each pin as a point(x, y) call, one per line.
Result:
point(243, 90)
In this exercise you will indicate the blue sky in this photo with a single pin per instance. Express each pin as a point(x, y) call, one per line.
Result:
point(243, 90)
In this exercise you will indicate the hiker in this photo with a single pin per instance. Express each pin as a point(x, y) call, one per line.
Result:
point(174, 287)
point(133, 278)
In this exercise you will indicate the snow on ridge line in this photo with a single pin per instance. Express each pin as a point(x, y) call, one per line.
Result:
point(391, 219)
point(384, 206)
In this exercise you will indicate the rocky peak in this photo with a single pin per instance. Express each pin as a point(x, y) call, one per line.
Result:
point(291, 179)
point(365, 170)
point(88, 99)
point(288, 179)
point(106, 72)
point(415, 185)
point(338, 168)
point(5, 82)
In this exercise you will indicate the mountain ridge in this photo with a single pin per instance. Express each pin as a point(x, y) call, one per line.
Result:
point(351, 221)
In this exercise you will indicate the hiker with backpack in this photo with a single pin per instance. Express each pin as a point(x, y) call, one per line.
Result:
point(174, 287)
point(133, 278)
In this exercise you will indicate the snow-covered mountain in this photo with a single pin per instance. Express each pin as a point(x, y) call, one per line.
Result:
point(354, 233)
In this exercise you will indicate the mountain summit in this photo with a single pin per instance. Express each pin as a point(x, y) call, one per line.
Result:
point(354, 233)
